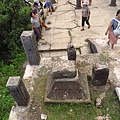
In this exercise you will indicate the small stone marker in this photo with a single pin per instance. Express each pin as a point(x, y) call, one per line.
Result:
point(100, 73)
point(113, 3)
point(78, 4)
point(18, 90)
point(71, 52)
point(66, 84)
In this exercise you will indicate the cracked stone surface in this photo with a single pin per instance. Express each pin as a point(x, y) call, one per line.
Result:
point(67, 18)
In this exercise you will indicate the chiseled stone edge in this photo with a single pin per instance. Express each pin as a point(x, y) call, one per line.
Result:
point(95, 45)
point(47, 100)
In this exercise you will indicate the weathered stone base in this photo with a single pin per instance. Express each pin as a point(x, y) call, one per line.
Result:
point(67, 90)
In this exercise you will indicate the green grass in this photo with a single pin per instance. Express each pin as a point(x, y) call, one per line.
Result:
point(80, 111)
point(104, 58)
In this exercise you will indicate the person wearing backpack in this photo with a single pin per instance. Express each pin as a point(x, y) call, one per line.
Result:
point(113, 30)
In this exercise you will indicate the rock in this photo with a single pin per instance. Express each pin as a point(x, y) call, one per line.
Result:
point(99, 118)
point(117, 89)
point(98, 102)
point(28, 72)
point(64, 69)
point(107, 117)
point(71, 110)
point(95, 48)
point(44, 43)
point(43, 116)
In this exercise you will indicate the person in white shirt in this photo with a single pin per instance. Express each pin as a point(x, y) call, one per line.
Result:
point(36, 25)
point(35, 9)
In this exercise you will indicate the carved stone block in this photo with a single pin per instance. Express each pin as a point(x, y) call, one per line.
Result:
point(18, 90)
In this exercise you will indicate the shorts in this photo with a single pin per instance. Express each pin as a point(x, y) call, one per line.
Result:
point(48, 4)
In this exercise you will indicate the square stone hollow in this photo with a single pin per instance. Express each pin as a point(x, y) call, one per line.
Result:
point(67, 89)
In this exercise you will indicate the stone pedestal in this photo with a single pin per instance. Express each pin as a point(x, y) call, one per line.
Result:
point(64, 89)
point(71, 52)
point(66, 84)
point(28, 39)
point(100, 73)
point(78, 4)
point(113, 3)
point(18, 90)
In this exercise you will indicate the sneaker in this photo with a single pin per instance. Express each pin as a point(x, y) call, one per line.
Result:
point(82, 29)
point(88, 26)
point(41, 39)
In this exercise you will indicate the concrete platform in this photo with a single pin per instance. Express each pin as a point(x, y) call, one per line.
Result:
point(66, 24)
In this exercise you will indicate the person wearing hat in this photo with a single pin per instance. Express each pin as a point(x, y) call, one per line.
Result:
point(85, 15)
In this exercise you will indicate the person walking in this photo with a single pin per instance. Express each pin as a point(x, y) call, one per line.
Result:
point(48, 6)
point(85, 15)
point(113, 30)
point(36, 25)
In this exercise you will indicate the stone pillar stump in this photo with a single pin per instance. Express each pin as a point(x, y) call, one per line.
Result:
point(18, 90)
point(28, 39)
point(113, 3)
point(100, 73)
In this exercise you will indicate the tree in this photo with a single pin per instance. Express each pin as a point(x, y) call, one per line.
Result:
point(14, 18)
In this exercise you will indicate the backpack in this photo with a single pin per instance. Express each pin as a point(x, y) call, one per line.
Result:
point(117, 30)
